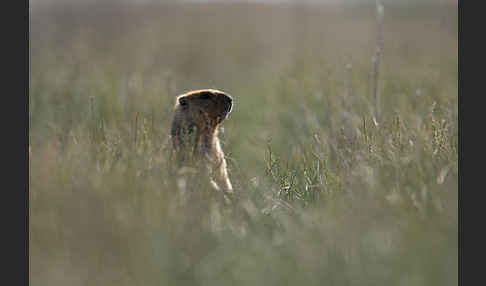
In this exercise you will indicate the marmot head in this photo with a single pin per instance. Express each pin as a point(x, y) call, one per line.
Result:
point(204, 108)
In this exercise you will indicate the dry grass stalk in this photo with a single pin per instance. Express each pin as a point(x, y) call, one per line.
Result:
point(375, 60)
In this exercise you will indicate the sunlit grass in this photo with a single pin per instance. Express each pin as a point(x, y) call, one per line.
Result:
point(325, 196)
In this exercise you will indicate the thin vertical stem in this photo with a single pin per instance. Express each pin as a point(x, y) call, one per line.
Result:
point(152, 122)
point(375, 60)
point(136, 124)
point(93, 119)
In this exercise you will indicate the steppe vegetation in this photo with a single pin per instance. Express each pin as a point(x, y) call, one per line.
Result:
point(325, 195)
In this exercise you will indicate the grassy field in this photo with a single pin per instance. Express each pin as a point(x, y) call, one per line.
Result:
point(325, 196)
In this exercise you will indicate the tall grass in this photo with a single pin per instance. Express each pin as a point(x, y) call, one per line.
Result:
point(324, 196)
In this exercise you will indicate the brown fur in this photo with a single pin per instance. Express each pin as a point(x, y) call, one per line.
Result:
point(197, 116)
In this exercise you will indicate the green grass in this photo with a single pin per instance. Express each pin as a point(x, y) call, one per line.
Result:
point(325, 197)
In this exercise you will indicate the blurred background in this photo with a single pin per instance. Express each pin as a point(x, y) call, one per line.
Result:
point(334, 188)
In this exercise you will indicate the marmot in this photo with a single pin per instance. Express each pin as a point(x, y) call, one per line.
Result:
point(197, 116)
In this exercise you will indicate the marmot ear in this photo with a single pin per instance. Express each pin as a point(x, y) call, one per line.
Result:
point(182, 101)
